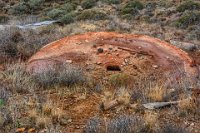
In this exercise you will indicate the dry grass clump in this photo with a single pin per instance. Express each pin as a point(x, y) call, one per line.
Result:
point(151, 118)
point(17, 79)
point(5, 118)
point(172, 128)
point(120, 79)
point(47, 109)
point(33, 116)
point(123, 96)
point(43, 122)
point(126, 124)
point(94, 125)
point(65, 75)
point(187, 106)
point(56, 115)
point(149, 89)
point(156, 93)
point(45, 115)
point(8, 39)
point(4, 94)
point(120, 124)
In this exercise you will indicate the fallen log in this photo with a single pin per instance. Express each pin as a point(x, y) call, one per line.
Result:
point(157, 105)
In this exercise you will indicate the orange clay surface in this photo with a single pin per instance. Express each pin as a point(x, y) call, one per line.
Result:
point(133, 54)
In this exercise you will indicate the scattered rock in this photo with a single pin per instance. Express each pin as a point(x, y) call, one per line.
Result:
point(155, 66)
point(31, 130)
point(19, 130)
point(100, 50)
point(64, 120)
point(110, 104)
point(69, 61)
point(99, 63)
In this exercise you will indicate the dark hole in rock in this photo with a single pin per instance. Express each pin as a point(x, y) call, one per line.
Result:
point(100, 50)
point(113, 68)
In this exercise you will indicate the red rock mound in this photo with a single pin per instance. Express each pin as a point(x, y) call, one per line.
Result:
point(109, 51)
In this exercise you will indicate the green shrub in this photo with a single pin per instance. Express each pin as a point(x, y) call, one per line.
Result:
point(134, 4)
point(27, 6)
point(86, 4)
point(35, 4)
point(68, 7)
point(17, 77)
point(20, 8)
point(75, 2)
point(92, 15)
point(67, 19)
point(188, 5)
point(4, 18)
point(55, 13)
point(187, 19)
point(112, 1)
point(131, 9)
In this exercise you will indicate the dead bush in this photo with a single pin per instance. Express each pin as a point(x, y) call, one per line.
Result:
point(126, 124)
point(5, 118)
point(65, 75)
point(4, 94)
point(94, 125)
point(120, 124)
point(172, 128)
point(8, 39)
point(24, 43)
point(17, 79)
